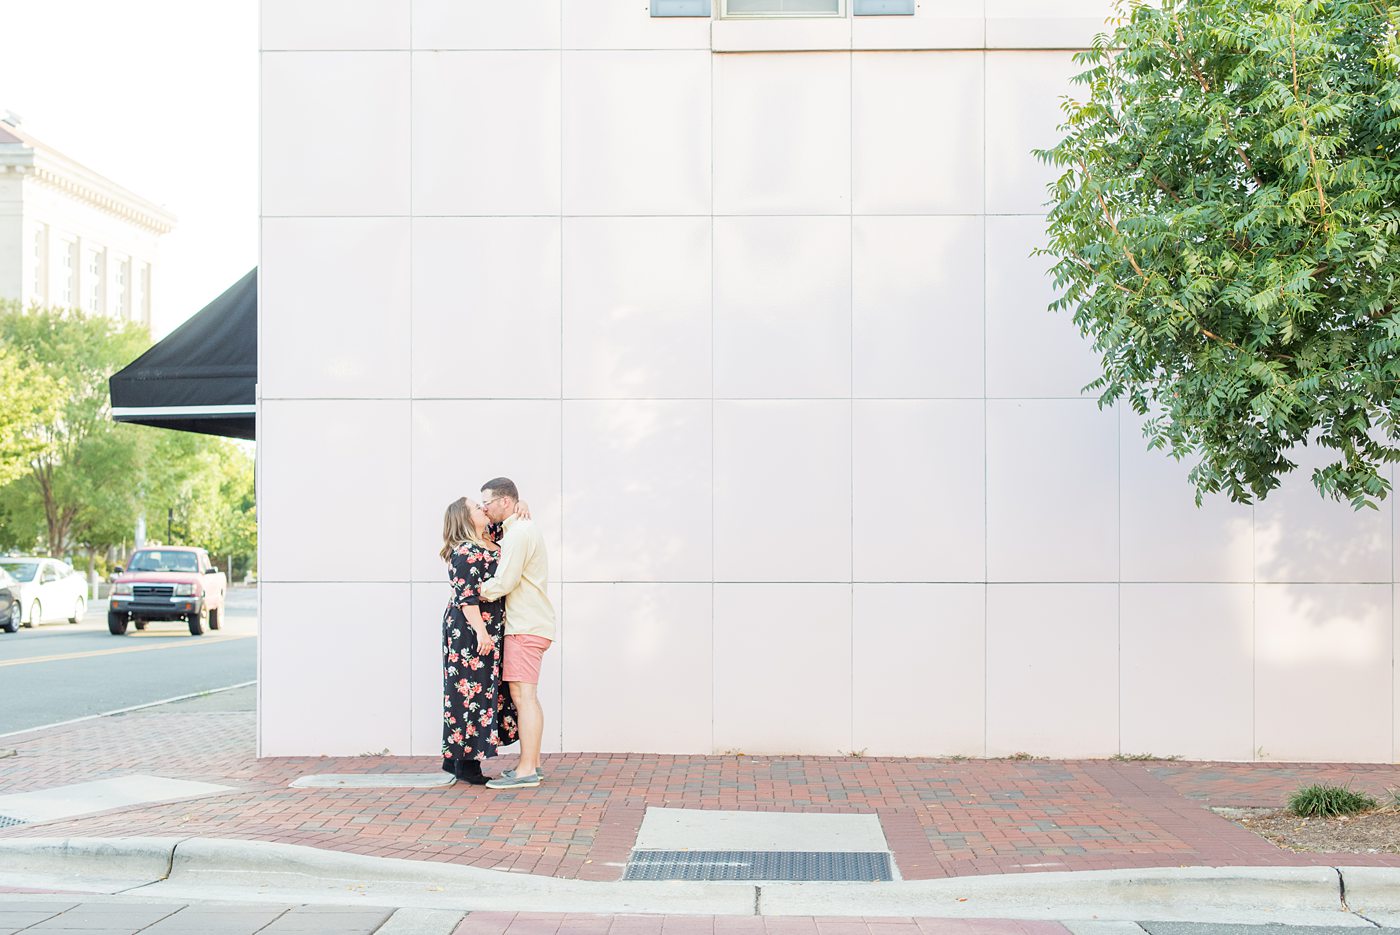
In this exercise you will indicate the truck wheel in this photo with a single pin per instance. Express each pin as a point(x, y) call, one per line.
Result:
point(116, 623)
point(196, 624)
point(79, 608)
point(140, 624)
point(36, 615)
point(214, 619)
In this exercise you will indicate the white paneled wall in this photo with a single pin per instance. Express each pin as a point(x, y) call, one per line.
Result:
point(752, 313)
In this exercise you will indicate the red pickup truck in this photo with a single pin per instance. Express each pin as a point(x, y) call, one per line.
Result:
point(167, 583)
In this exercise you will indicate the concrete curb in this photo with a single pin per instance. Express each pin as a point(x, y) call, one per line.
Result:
point(216, 869)
point(97, 863)
point(1373, 892)
point(1160, 894)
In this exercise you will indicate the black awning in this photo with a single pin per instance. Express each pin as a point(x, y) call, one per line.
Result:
point(202, 376)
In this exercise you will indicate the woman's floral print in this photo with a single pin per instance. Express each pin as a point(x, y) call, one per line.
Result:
point(478, 716)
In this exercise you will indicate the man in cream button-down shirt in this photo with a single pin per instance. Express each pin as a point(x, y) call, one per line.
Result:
point(521, 578)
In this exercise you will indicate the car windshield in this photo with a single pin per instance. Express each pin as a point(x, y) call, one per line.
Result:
point(23, 571)
point(154, 560)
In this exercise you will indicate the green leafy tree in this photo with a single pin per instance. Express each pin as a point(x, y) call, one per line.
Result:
point(29, 400)
point(1226, 230)
point(80, 480)
point(212, 505)
point(78, 451)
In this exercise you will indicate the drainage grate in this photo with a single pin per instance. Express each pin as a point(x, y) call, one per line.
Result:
point(765, 866)
point(7, 822)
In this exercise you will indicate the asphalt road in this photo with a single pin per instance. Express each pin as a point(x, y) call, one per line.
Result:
point(58, 672)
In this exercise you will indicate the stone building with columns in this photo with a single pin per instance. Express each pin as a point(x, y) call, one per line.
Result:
point(70, 237)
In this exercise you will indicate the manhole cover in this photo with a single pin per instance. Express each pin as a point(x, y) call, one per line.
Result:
point(7, 822)
point(760, 866)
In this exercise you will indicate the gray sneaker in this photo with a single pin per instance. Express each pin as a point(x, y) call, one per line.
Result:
point(514, 782)
point(510, 773)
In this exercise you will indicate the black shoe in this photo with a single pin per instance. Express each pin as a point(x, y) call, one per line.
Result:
point(469, 771)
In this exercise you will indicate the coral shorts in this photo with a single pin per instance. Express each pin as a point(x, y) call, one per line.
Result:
point(523, 655)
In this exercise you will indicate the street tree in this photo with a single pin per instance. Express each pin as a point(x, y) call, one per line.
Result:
point(1226, 230)
point(29, 400)
point(78, 449)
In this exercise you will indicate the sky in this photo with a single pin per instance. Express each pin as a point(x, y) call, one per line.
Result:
point(161, 97)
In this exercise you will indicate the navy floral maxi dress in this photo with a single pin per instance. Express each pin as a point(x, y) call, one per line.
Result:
point(478, 717)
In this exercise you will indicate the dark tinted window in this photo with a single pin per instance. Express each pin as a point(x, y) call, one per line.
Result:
point(157, 560)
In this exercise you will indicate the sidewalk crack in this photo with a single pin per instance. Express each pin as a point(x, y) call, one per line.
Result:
point(170, 864)
point(1342, 888)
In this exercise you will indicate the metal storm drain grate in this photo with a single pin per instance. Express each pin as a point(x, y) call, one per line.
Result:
point(7, 822)
point(764, 866)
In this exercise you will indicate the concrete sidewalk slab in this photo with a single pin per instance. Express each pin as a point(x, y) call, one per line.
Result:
point(1197, 928)
point(373, 781)
point(677, 829)
point(422, 922)
point(86, 798)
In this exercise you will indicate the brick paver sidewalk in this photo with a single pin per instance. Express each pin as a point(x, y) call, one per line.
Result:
point(941, 817)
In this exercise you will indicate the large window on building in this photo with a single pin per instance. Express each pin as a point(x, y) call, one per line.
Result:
point(783, 8)
point(69, 290)
point(41, 263)
point(96, 269)
point(121, 282)
point(140, 291)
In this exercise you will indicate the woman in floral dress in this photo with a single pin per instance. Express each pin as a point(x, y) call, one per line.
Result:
point(478, 715)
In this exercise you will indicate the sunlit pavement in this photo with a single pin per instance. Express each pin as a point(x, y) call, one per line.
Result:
point(58, 672)
point(941, 818)
point(50, 913)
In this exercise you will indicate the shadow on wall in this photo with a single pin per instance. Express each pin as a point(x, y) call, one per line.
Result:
point(1306, 539)
point(1323, 624)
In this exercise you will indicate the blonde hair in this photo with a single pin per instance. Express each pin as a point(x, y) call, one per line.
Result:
point(458, 528)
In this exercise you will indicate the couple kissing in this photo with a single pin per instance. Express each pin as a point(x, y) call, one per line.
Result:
point(494, 635)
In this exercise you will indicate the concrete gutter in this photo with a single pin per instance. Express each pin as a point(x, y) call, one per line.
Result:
point(202, 869)
point(1373, 892)
point(98, 865)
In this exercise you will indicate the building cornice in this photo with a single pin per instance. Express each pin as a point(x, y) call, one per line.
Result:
point(56, 171)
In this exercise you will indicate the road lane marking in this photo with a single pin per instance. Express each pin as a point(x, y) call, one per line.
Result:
point(135, 707)
point(125, 649)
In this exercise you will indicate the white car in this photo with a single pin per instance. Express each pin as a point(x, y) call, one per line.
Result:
point(49, 590)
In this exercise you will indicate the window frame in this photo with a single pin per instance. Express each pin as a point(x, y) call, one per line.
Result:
point(842, 12)
point(41, 263)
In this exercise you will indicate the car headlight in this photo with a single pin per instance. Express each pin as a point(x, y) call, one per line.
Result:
point(121, 590)
point(184, 590)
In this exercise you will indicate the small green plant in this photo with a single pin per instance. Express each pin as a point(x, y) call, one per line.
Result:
point(1021, 756)
point(1328, 802)
point(1142, 757)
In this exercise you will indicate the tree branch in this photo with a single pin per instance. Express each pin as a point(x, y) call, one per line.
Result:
point(1303, 115)
point(1205, 86)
